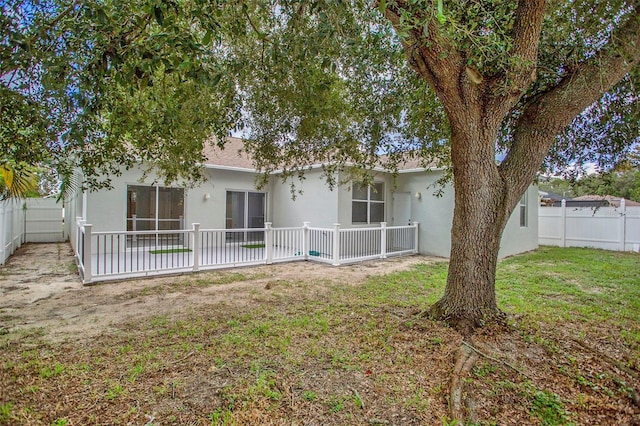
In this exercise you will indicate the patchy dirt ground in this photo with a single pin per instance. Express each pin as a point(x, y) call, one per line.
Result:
point(40, 287)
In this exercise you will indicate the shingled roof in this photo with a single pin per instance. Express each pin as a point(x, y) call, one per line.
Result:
point(234, 156)
point(609, 199)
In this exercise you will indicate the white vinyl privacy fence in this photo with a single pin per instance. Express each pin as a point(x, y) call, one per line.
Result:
point(122, 254)
point(609, 228)
point(12, 220)
point(37, 220)
point(44, 221)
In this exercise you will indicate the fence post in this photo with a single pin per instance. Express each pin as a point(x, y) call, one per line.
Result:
point(305, 239)
point(336, 244)
point(417, 246)
point(21, 226)
point(196, 247)
point(22, 218)
point(76, 242)
point(15, 229)
point(87, 253)
point(563, 224)
point(134, 227)
point(623, 223)
point(268, 241)
point(383, 240)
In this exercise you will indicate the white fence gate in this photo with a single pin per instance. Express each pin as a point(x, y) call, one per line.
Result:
point(609, 228)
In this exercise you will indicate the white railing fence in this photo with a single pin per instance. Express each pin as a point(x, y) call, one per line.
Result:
point(123, 254)
point(12, 221)
point(609, 228)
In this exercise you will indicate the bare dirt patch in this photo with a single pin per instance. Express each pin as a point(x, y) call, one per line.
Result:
point(40, 287)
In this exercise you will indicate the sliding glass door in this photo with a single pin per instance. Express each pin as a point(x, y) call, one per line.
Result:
point(155, 208)
point(245, 210)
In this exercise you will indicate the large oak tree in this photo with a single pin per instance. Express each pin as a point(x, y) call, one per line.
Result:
point(496, 89)
point(513, 86)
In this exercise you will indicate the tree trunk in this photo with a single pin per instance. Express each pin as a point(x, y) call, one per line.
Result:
point(479, 217)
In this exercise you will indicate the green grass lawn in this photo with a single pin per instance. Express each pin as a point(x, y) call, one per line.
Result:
point(350, 353)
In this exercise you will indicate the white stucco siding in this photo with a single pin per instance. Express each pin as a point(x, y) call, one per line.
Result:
point(435, 215)
point(517, 239)
point(211, 212)
point(106, 210)
point(316, 204)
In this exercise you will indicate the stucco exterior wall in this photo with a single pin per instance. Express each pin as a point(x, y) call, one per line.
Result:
point(211, 213)
point(517, 239)
point(106, 210)
point(435, 215)
point(317, 204)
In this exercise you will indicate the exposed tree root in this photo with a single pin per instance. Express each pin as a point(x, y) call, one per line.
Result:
point(464, 362)
point(489, 357)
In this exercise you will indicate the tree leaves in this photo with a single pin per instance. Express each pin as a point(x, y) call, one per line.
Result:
point(159, 15)
point(441, 18)
point(99, 83)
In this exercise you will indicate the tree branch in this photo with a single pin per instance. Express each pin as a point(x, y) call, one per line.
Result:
point(552, 111)
point(528, 20)
point(431, 55)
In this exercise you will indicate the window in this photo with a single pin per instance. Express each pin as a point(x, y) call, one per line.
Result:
point(367, 204)
point(246, 210)
point(153, 208)
point(524, 219)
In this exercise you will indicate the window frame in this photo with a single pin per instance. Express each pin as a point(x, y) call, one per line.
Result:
point(155, 198)
point(374, 196)
point(523, 205)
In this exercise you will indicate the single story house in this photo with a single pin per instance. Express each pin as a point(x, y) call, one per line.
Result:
point(229, 199)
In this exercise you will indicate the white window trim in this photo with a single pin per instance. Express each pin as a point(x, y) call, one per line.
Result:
point(523, 207)
point(369, 202)
point(156, 190)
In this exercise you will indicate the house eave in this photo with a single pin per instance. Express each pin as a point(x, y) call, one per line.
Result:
point(230, 168)
point(319, 166)
point(421, 170)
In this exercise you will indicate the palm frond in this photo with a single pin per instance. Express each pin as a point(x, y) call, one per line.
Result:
point(17, 181)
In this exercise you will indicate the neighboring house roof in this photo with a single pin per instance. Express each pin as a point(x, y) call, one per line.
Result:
point(551, 199)
point(234, 157)
point(553, 196)
point(605, 200)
